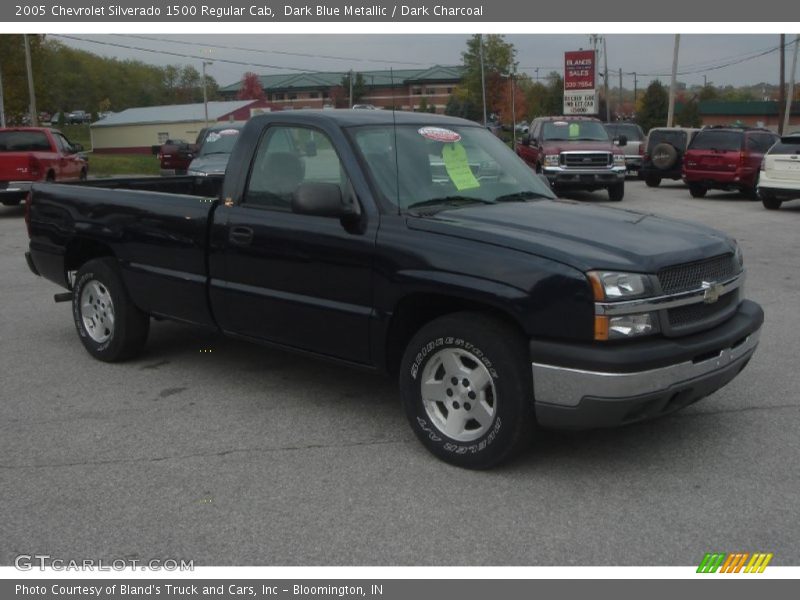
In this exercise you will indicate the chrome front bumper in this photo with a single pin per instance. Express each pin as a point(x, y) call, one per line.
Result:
point(579, 399)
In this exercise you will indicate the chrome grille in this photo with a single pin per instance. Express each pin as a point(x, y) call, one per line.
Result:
point(587, 160)
point(690, 276)
point(699, 314)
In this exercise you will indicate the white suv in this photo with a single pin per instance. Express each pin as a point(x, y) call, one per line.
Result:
point(779, 179)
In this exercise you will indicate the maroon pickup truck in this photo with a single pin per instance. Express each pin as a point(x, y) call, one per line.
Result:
point(575, 153)
point(174, 157)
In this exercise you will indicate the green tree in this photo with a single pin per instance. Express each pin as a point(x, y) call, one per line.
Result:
point(499, 61)
point(460, 106)
point(707, 92)
point(359, 87)
point(653, 106)
point(689, 114)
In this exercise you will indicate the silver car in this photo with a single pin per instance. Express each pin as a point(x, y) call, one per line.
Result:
point(634, 138)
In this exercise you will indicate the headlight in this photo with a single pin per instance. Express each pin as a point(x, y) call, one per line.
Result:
point(619, 160)
point(551, 160)
point(608, 286)
point(738, 255)
point(625, 326)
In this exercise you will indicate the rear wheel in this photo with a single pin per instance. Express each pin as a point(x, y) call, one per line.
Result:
point(652, 181)
point(769, 200)
point(83, 175)
point(51, 177)
point(110, 327)
point(752, 192)
point(616, 192)
point(466, 385)
point(697, 191)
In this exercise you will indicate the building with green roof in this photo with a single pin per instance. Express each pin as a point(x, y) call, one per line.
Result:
point(405, 89)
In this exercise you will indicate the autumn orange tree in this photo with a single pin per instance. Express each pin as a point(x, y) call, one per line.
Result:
point(251, 88)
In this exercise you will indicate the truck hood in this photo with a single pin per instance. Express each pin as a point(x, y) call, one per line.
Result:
point(584, 237)
point(556, 147)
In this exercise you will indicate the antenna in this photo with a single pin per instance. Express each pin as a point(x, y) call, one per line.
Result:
point(396, 159)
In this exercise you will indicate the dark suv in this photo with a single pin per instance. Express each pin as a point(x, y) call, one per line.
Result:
point(726, 158)
point(663, 154)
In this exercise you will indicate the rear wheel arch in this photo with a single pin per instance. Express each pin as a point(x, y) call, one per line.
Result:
point(79, 251)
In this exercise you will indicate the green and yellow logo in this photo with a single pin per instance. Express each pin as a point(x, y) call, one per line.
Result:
point(736, 562)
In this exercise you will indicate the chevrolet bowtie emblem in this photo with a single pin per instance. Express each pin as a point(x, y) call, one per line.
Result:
point(711, 291)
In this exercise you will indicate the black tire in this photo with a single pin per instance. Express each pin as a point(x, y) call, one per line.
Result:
point(751, 193)
point(83, 176)
point(476, 346)
point(51, 177)
point(769, 200)
point(616, 192)
point(125, 334)
point(697, 191)
point(652, 181)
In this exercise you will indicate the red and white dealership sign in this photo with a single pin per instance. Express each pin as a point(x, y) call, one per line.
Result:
point(579, 82)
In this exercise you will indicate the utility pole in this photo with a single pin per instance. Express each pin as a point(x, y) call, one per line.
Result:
point(782, 90)
point(2, 103)
point(605, 80)
point(635, 88)
point(705, 81)
point(619, 101)
point(787, 113)
point(483, 78)
point(351, 89)
point(671, 111)
point(513, 114)
point(31, 93)
point(205, 91)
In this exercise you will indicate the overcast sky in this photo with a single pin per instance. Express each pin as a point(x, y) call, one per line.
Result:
point(648, 55)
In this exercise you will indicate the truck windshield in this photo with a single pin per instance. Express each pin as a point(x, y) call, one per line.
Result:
point(590, 131)
point(220, 141)
point(442, 167)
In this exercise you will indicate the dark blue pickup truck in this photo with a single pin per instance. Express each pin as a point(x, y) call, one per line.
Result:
point(421, 246)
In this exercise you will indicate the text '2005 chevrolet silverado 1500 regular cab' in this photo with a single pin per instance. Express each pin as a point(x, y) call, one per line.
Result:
point(422, 246)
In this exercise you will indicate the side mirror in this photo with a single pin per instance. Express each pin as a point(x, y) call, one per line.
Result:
point(622, 140)
point(321, 200)
point(526, 140)
point(77, 148)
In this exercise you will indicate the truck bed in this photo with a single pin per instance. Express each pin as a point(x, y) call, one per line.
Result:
point(158, 227)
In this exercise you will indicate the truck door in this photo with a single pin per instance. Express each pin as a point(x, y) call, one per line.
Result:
point(297, 280)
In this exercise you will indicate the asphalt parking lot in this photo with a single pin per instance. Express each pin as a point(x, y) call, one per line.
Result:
point(228, 453)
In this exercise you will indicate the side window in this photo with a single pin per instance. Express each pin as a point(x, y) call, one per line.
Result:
point(288, 157)
point(63, 144)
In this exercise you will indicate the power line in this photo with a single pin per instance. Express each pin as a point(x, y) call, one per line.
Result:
point(283, 52)
point(181, 55)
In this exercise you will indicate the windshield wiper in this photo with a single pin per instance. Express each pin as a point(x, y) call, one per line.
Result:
point(521, 196)
point(449, 201)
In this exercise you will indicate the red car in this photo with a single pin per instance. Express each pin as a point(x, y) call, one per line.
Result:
point(726, 158)
point(175, 155)
point(29, 154)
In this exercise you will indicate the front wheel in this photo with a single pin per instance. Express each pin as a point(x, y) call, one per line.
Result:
point(466, 385)
point(110, 326)
point(616, 192)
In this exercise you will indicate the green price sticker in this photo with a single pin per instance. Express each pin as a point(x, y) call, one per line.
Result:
point(457, 166)
point(574, 130)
